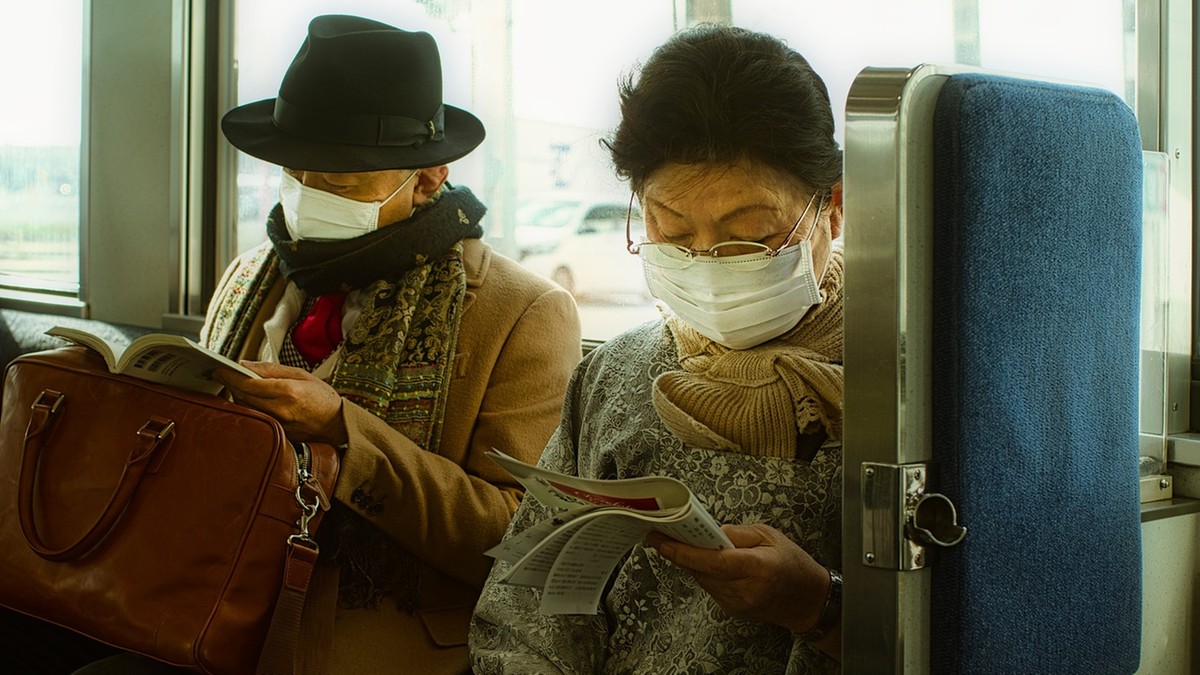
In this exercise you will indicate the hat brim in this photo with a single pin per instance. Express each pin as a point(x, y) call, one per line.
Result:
point(251, 129)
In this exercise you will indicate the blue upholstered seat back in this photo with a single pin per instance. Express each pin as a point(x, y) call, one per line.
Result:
point(1037, 231)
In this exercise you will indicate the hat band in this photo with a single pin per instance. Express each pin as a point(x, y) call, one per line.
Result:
point(373, 130)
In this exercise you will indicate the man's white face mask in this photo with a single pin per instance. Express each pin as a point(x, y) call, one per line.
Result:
point(317, 215)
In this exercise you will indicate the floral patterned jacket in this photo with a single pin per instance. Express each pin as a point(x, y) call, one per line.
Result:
point(653, 618)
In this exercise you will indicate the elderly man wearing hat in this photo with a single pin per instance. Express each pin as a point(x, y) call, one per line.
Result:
point(380, 322)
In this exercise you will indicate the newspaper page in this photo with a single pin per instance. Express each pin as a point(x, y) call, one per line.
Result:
point(571, 555)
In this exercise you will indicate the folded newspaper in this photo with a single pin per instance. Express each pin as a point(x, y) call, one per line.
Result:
point(571, 555)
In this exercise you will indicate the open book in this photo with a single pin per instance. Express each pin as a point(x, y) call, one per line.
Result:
point(571, 555)
point(168, 359)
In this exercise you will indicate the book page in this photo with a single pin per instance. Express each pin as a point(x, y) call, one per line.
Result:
point(697, 528)
point(168, 359)
point(576, 581)
point(571, 556)
point(135, 355)
point(581, 569)
point(645, 493)
point(513, 548)
point(94, 342)
point(176, 366)
point(533, 567)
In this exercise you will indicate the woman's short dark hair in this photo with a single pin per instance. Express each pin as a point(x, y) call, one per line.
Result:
point(719, 94)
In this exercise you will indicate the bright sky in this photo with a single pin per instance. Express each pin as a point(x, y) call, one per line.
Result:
point(41, 49)
point(568, 55)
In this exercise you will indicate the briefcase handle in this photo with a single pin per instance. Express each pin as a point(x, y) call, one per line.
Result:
point(153, 435)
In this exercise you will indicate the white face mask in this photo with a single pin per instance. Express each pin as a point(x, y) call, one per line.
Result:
point(317, 215)
point(738, 308)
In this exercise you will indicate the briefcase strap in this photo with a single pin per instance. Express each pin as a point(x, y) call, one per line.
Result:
point(283, 637)
point(286, 651)
point(314, 654)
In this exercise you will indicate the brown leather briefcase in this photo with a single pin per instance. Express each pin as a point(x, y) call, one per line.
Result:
point(173, 524)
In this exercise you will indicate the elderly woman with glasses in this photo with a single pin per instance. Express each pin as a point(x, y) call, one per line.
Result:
point(726, 137)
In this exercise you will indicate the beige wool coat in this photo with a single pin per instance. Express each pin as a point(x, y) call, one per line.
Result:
point(519, 341)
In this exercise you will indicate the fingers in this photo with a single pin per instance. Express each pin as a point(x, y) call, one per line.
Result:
point(712, 562)
point(768, 577)
point(255, 393)
point(748, 536)
point(276, 382)
point(229, 377)
point(268, 370)
point(287, 400)
point(307, 407)
point(656, 539)
point(752, 542)
point(722, 564)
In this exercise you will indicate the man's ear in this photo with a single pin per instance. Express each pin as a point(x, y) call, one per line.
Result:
point(429, 181)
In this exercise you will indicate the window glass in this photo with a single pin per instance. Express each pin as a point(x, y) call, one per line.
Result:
point(543, 74)
point(41, 45)
point(1079, 40)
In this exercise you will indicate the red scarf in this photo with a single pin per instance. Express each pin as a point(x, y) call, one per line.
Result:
point(320, 331)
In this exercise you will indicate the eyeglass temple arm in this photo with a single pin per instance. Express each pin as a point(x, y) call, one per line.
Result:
point(628, 214)
point(796, 226)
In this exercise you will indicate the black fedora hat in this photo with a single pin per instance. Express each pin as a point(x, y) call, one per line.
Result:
point(359, 96)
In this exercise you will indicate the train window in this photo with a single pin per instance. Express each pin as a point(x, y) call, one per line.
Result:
point(542, 75)
point(40, 129)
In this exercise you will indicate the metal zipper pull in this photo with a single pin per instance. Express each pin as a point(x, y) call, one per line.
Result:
point(306, 477)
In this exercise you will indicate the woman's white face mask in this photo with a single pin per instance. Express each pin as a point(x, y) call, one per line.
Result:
point(738, 308)
point(317, 215)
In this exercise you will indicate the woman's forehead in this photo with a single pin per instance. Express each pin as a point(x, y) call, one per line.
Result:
point(683, 187)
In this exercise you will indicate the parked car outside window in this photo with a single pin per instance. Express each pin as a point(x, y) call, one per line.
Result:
point(580, 244)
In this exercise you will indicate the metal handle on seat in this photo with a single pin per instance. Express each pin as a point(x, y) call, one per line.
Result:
point(935, 521)
point(901, 518)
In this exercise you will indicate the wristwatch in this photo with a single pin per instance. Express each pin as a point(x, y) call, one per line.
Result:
point(831, 612)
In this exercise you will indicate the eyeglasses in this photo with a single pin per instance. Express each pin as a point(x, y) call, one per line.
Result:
point(745, 255)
